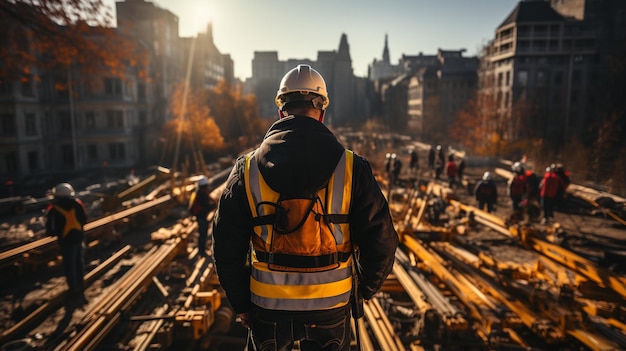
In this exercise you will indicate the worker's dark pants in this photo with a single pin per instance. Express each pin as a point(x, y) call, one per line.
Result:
point(488, 204)
point(516, 202)
point(74, 265)
point(316, 330)
point(547, 203)
point(203, 230)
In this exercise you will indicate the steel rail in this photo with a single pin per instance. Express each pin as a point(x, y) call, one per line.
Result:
point(380, 326)
point(44, 243)
point(455, 319)
point(128, 289)
point(581, 265)
point(55, 301)
point(555, 313)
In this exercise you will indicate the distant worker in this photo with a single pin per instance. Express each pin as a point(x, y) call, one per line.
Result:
point(532, 202)
point(486, 193)
point(131, 178)
point(518, 185)
point(431, 159)
point(292, 212)
point(397, 168)
point(560, 171)
point(439, 162)
point(460, 170)
point(413, 161)
point(451, 171)
point(441, 154)
point(65, 219)
point(550, 187)
point(200, 205)
point(388, 163)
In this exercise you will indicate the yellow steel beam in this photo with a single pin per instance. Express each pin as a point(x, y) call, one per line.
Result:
point(589, 269)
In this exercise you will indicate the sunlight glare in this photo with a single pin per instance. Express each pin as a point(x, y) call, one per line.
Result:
point(201, 16)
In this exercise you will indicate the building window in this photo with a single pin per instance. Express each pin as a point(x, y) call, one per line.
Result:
point(5, 87)
point(112, 86)
point(541, 78)
point(117, 151)
point(31, 124)
point(141, 91)
point(61, 88)
point(10, 162)
point(67, 155)
point(143, 117)
point(65, 122)
point(7, 125)
point(576, 77)
point(558, 78)
point(27, 86)
point(92, 152)
point(33, 160)
point(115, 119)
point(90, 120)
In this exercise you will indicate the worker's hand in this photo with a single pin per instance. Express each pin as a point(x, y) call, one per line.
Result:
point(244, 319)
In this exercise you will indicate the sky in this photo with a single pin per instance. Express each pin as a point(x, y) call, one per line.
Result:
point(298, 30)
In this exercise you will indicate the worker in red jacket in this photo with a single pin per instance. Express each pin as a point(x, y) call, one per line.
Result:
point(451, 170)
point(550, 188)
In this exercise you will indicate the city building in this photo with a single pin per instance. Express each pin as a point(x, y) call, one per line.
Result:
point(422, 94)
point(545, 66)
point(66, 121)
point(347, 93)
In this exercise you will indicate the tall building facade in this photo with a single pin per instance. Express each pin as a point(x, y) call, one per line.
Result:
point(346, 96)
point(65, 122)
point(422, 94)
point(544, 66)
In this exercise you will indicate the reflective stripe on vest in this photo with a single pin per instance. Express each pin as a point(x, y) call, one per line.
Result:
point(296, 291)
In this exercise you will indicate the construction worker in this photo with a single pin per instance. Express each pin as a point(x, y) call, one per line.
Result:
point(413, 161)
point(286, 298)
point(518, 185)
point(396, 169)
point(486, 193)
point(460, 170)
point(65, 219)
point(440, 162)
point(550, 188)
point(451, 171)
point(564, 175)
point(200, 206)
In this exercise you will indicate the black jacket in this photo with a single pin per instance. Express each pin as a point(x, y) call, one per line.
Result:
point(206, 204)
point(297, 157)
point(57, 224)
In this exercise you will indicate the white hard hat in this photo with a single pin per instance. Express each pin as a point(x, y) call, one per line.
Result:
point(63, 190)
point(487, 176)
point(203, 181)
point(307, 83)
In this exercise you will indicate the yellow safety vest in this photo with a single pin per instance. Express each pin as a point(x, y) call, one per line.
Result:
point(301, 291)
point(71, 221)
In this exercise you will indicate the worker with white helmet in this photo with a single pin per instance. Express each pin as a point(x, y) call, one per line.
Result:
point(66, 218)
point(288, 297)
point(486, 193)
